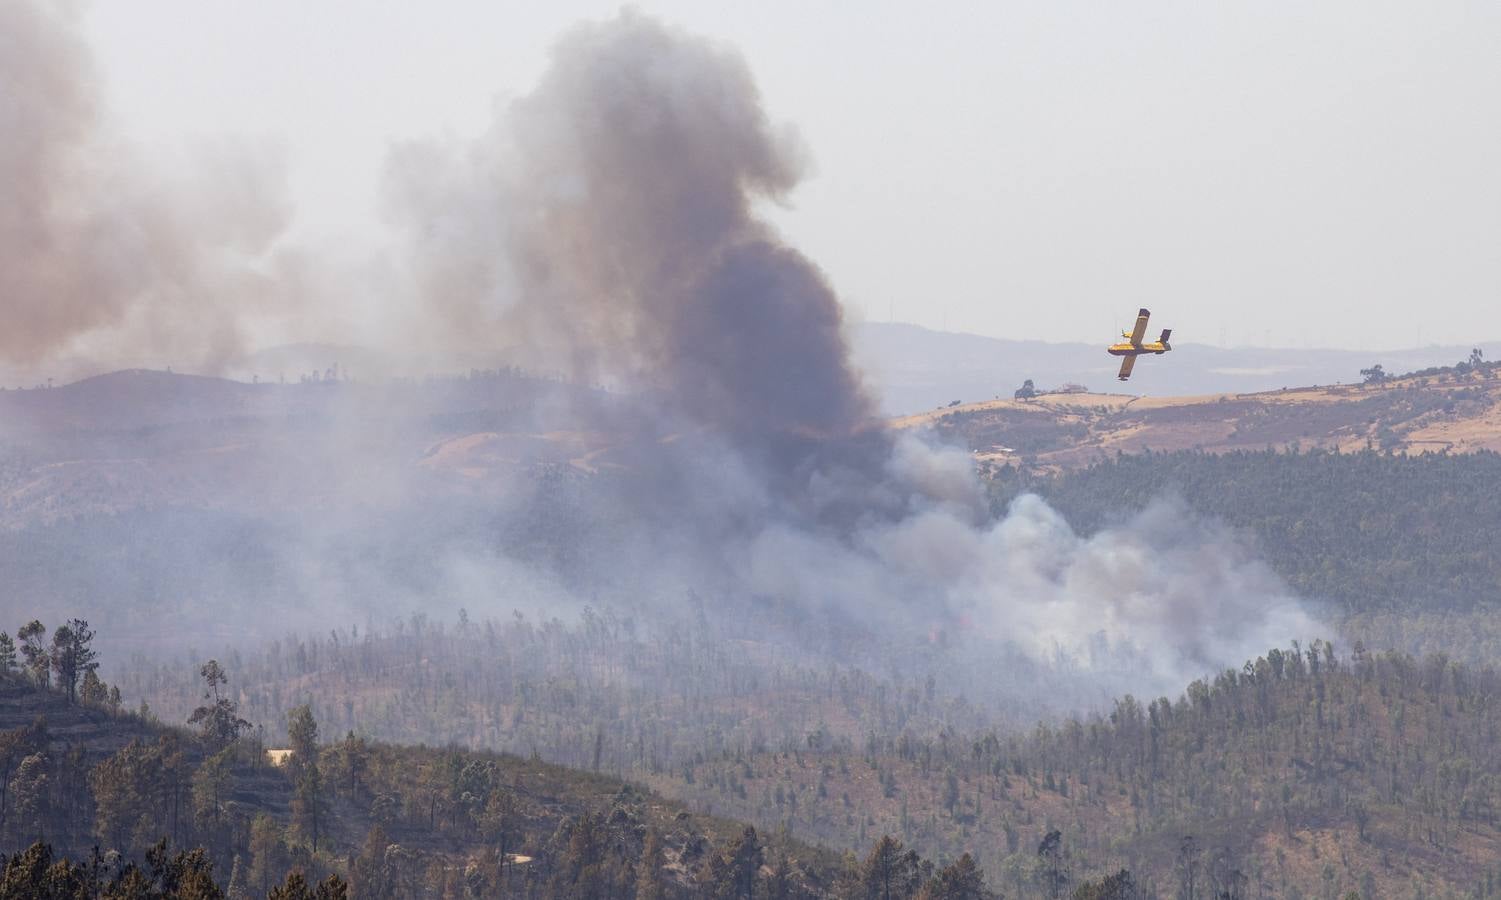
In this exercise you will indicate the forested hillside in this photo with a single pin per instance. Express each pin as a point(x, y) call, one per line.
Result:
point(1304, 774)
point(1368, 531)
point(139, 808)
point(608, 693)
point(1451, 409)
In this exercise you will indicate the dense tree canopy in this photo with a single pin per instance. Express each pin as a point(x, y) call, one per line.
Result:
point(1367, 531)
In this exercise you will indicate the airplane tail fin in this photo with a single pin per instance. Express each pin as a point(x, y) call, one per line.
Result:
point(1166, 333)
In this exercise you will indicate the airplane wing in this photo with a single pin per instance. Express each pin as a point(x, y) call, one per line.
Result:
point(1126, 365)
point(1140, 331)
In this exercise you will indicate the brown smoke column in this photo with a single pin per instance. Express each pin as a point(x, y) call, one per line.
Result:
point(100, 253)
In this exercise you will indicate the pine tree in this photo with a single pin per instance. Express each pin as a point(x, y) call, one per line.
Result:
point(743, 866)
point(211, 785)
point(35, 651)
point(72, 656)
point(32, 873)
point(32, 792)
point(890, 871)
point(93, 691)
point(219, 720)
point(302, 737)
point(309, 805)
point(780, 885)
point(368, 872)
point(354, 755)
point(960, 880)
point(649, 883)
point(267, 854)
point(237, 890)
point(950, 791)
point(1051, 857)
point(1120, 886)
point(294, 888)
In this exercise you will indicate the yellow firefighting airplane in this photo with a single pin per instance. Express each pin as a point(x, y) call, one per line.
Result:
point(1135, 347)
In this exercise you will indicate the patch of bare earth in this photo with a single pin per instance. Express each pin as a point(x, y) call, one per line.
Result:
point(1408, 415)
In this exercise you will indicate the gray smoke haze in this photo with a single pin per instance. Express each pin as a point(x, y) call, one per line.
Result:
point(104, 254)
point(607, 219)
point(607, 224)
point(604, 227)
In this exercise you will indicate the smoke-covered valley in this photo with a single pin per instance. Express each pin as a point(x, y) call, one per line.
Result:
point(700, 453)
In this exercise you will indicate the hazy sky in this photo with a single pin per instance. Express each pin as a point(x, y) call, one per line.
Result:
point(1268, 172)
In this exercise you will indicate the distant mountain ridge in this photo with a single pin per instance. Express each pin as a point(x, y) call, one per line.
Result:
point(913, 368)
point(910, 368)
point(1453, 410)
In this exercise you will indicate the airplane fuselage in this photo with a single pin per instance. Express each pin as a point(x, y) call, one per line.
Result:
point(1129, 349)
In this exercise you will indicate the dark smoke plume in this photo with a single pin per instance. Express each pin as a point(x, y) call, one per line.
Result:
point(101, 253)
point(606, 224)
point(620, 195)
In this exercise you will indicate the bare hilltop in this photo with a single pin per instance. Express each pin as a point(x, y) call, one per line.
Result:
point(1452, 410)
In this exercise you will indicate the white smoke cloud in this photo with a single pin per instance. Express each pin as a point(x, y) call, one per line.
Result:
point(1169, 594)
point(1144, 607)
point(106, 252)
point(608, 221)
point(605, 226)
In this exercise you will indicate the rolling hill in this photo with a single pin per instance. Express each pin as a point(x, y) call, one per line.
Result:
point(1446, 411)
point(357, 493)
point(1302, 781)
point(393, 821)
point(137, 438)
point(913, 369)
point(1307, 770)
point(1304, 773)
